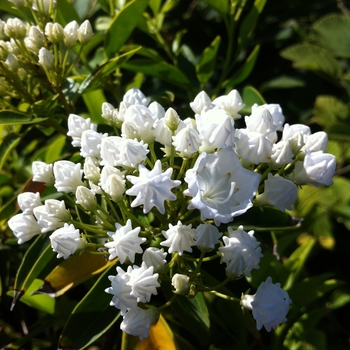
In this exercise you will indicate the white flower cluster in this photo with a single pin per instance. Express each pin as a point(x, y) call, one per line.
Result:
point(158, 189)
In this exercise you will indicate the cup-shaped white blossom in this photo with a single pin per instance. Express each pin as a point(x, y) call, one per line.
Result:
point(76, 126)
point(155, 257)
point(135, 96)
point(318, 169)
point(276, 113)
point(86, 198)
point(216, 128)
point(24, 227)
point(122, 298)
point(66, 241)
point(206, 237)
point(138, 321)
point(179, 238)
point(261, 121)
point(231, 103)
point(143, 283)
point(71, 34)
point(91, 143)
point(181, 283)
point(85, 32)
point(269, 305)
point(43, 172)
point(46, 58)
point(118, 151)
point(279, 192)
point(241, 252)
point(152, 187)
point(221, 188)
point(27, 201)
point(187, 142)
point(67, 176)
point(201, 103)
point(125, 242)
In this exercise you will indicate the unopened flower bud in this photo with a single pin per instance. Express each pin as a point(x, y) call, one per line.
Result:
point(71, 34)
point(15, 28)
point(54, 32)
point(46, 58)
point(35, 39)
point(12, 62)
point(42, 172)
point(172, 119)
point(180, 283)
point(85, 198)
point(85, 32)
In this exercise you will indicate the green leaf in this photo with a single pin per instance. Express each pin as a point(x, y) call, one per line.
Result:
point(9, 7)
point(123, 25)
point(312, 57)
point(161, 70)
point(34, 261)
point(40, 302)
point(54, 150)
point(169, 5)
point(93, 101)
point(205, 66)
point(92, 316)
point(244, 71)
point(11, 118)
point(333, 33)
point(9, 142)
point(250, 95)
point(282, 82)
point(93, 81)
point(222, 6)
point(66, 13)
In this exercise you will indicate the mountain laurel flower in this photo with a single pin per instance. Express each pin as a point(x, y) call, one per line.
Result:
point(15, 29)
point(24, 227)
point(221, 188)
point(155, 257)
point(135, 96)
point(216, 128)
point(66, 241)
point(187, 142)
point(76, 126)
point(35, 39)
point(12, 62)
point(295, 134)
point(181, 284)
point(152, 187)
point(157, 110)
point(269, 305)
point(71, 34)
point(231, 103)
point(91, 170)
point(171, 119)
point(318, 169)
point(261, 121)
point(125, 242)
point(138, 321)
point(275, 111)
point(110, 113)
point(241, 252)
point(179, 238)
point(46, 58)
point(67, 176)
point(27, 201)
point(85, 32)
point(315, 142)
point(86, 198)
point(115, 187)
point(281, 154)
point(54, 32)
point(143, 283)
point(279, 192)
point(43, 172)
point(207, 237)
point(91, 143)
point(201, 103)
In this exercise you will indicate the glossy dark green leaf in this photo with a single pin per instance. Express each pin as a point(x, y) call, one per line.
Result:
point(123, 25)
point(93, 101)
point(282, 82)
point(222, 6)
point(66, 13)
point(11, 118)
point(250, 95)
point(206, 64)
point(91, 317)
point(9, 142)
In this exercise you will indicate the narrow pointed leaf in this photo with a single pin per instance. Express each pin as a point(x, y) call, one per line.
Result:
point(8, 143)
point(221, 6)
point(12, 117)
point(250, 96)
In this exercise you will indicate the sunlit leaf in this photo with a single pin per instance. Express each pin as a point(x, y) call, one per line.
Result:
point(9, 142)
point(251, 96)
point(93, 101)
point(11, 117)
point(54, 150)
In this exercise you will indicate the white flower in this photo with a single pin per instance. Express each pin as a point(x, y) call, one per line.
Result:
point(109, 113)
point(157, 110)
point(76, 126)
point(43, 172)
point(221, 188)
point(122, 298)
point(117, 151)
point(115, 187)
point(67, 176)
point(179, 238)
point(152, 187)
point(295, 135)
point(172, 119)
point(15, 28)
point(261, 121)
point(126, 242)
point(66, 241)
point(206, 237)
point(155, 257)
point(276, 112)
point(24, 227)
point(180, 283)
point(54, 32)
point(91, 170)
point(187, 142)
point(315, 142)
point(91, 143)
point(241, 252)
point(86, 198)
point(46, 58)
point(279, 192)
point(231, 103)
point(216, 128)
point(281, 154)
point(135, 97)
point(35, 39)
point(71, 34)
point(318, 169)
point(201, 103)
point(85, 32)
point(12, 62)
point(27, 201)
point(138, 321)
point(270, 305)
point(143, 283)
